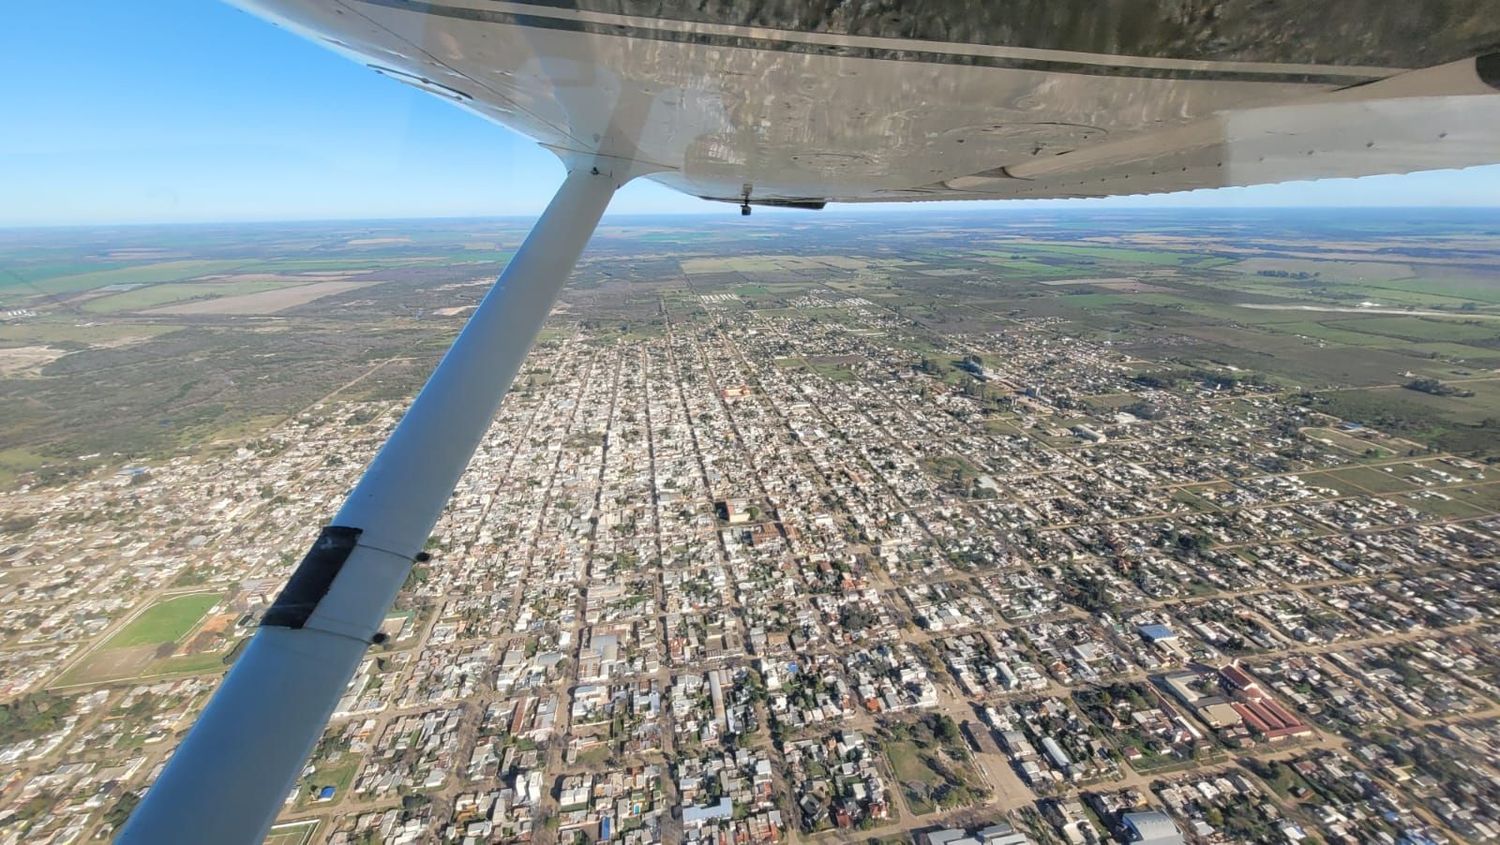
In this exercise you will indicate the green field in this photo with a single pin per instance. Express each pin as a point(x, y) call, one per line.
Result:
point(1479, 355)
point(35, 272)
point(1160, 258)
point(1368, 479)
point(1021, 265)
point(1422, 328)
point(337, 773)
point(925, 784)
point(1486, 497)
point(165, 622)
point(73, 332)
point(294, 833)
point(1469, 424)
point(330, 265)
point(479, 255)
point(909, 766)
point(1442, 504)
point(1353, 445)
point(14, 288)
point(832, 371)
point(13, 462)
point(1329, 333)
point(1479, 290)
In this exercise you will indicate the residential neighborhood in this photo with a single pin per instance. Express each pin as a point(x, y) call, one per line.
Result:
point(741, 576)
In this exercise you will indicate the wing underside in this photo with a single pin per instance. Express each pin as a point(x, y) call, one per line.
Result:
point(1438, 118)
point(781, 104)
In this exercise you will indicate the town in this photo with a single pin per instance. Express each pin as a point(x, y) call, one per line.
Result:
point(756, 575)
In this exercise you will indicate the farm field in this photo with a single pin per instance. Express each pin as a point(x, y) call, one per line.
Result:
point(150, 296)
point(96, 349)
point(22, 285)
point(272, 300)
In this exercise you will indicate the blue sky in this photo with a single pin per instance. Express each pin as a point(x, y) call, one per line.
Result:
point(190, 110)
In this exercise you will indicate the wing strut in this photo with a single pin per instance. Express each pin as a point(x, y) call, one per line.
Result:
point(228, 779)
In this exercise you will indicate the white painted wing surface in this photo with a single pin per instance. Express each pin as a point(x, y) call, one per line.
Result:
point(794, 109)
point(1436, 118)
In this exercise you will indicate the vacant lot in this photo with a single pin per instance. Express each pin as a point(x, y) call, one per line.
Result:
point(1370, 479)
point(1348, 443)
point(931, 780)
point(108, 665)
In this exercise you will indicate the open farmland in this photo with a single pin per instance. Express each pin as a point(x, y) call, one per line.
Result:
point(272, 301)
point(150, 296)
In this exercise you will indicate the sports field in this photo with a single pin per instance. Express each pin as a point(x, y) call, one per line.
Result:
point(165, 622)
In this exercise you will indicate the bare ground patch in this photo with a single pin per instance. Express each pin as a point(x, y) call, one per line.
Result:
point(21, 360)
point(110, 664)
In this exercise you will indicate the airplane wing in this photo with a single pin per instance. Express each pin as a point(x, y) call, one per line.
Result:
point(1442, 117)
point(802, 103)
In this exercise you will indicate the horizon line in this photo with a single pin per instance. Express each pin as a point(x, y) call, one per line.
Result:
point(845, 210)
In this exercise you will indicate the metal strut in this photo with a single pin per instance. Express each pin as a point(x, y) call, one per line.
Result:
point(228, 779)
